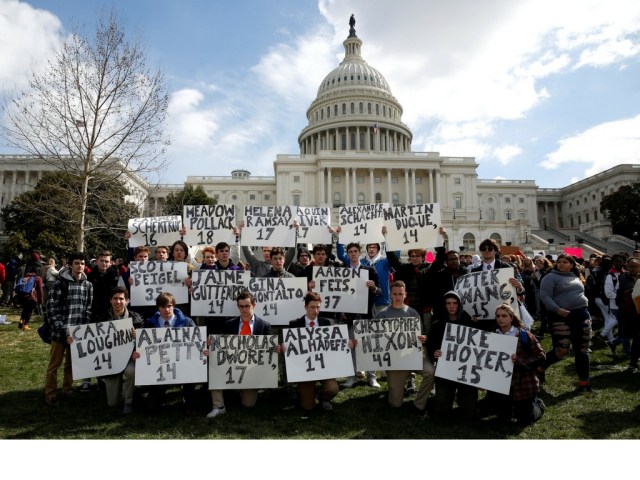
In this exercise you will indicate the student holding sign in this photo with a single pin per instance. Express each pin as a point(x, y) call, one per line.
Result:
point(522, 402)
point(353, 261)
point(246, 324)
point(168, 316)
point(69, 303)
point(490, 250)
point(396, 378)
point(119, 299)
point(329, 387)
point(447, 390)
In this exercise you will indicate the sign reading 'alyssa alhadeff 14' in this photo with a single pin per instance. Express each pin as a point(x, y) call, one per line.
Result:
point(477, 358)
point(102, 348)
point(243, 361)
point(317, 353)
point(171, 355)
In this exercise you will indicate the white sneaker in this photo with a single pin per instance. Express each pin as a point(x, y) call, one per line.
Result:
point(351, 381)
point(216, 411)
point(373, 382)
point(327, 405)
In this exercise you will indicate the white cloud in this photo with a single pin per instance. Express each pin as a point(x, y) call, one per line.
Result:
point(505, 153)
point(601, 147)
point(28, 36)
point(191, 126)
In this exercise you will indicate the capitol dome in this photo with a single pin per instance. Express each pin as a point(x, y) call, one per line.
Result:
point(354, 109)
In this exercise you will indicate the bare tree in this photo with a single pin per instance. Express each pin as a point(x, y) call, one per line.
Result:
point(96, 108)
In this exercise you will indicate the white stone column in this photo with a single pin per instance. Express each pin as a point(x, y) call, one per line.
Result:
point(321, 193)
point(406, 187)
point(358, 146)
point(329, 194)
point(347, 189)
point(389, 185)
point(372, 198)
point(413, 186)
point(354, 193)
point(437, 192)
point(429, 175)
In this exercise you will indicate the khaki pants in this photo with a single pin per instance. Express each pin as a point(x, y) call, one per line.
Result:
point(307, 392)
point(59, 352)
point(113, 384)
point(396, 380)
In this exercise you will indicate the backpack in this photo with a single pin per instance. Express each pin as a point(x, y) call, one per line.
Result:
point(26, 285)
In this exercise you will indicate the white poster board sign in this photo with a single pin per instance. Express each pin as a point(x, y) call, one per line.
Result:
point(209, 224)
point(482, 292)
point(102, 348)
point(154, 231)
point(243, 361)
point(171, 356)
point(388, 344)
point(152, 278)
point(279, 300)
point(343, 289)
point(413, 226)
point(269, 226)
point(214, 292)
point(362, 223)
point(314, 223)
point(477, 358)
point(317, 353)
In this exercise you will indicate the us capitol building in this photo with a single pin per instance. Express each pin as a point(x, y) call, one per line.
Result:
point(356, 150)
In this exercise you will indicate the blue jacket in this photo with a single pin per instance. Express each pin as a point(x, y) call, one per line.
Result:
point(181, 320)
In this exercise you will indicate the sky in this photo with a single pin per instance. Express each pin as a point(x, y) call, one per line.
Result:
point(544, 90)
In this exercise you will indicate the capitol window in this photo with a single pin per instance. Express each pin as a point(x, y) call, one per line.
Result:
point(360, 180)
point(267, 197)
point(252, 197)
point(344, 108)
point(296, 179)
point(369, 108)
point(361, 107)
point(377, 180)
point(457, 181)
point(394, 179)
point(418, 180)
point(353, 108)
point(336, 179)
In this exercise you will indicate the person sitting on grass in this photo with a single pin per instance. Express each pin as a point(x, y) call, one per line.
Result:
point(522, 402)
point(168, 316)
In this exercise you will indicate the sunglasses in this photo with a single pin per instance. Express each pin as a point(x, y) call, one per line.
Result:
point(486, 249)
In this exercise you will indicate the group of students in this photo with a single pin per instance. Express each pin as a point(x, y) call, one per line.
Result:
point(396, 289)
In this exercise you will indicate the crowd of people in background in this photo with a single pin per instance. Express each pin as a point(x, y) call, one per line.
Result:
point(566, 295)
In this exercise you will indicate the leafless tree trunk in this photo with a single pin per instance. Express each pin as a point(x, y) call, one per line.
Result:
point(96, 107)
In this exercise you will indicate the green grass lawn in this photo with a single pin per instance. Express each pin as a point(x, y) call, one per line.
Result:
point(612, 412)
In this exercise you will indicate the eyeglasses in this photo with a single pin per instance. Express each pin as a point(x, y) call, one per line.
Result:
point(486, 249)
point(244, 306)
